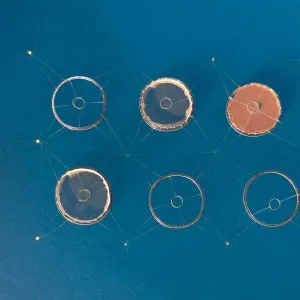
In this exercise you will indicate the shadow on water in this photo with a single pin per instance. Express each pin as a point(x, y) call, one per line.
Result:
point(282, 80)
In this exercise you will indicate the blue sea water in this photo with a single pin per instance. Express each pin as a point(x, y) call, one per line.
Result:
point(129, 43)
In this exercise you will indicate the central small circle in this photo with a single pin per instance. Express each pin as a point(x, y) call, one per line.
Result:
point(177, 201)
point(274, 204)
point(253, 107)
point(83, 195)
point(166, 103)
point(78, 103)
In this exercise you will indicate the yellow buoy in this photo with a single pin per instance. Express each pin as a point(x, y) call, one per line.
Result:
point(29, 52)
point(227, 243)
point(37, 238)
point(38, 141)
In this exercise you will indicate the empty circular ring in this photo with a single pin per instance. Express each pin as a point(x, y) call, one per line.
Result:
point(79, 103)
point(166, 104)
point(274, 204)
point(177, 201)
point(253, 109)
point(272, 201)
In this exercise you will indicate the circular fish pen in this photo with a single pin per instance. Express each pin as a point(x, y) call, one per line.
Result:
point(166, 104)
point(271, 199)
point(79, 103)
point(83, 196)
point(253, 110)
point(176, 201)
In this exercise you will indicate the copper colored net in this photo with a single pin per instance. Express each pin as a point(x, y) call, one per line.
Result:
point(254, 109)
